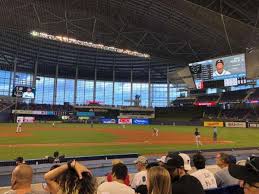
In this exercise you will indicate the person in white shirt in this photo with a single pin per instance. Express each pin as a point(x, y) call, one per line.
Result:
point(19, 126)
point(140, 177)
point(220, 69)
point(28, 94)
point(117, 186)
point(206, 177)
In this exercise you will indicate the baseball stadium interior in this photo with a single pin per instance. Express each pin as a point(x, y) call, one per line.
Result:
point(129, 96)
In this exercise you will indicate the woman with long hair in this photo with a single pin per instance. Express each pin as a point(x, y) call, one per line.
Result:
point(71, 178)
point(158, 181)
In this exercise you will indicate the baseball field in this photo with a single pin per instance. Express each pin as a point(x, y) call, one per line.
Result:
point(40, 140)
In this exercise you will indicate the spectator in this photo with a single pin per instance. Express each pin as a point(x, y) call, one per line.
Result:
point(140, 177)
point(117, 186)
point(152, 164)
point(109, 175)
point(206, 177)
point(182, 183)
point(223, 177)
point(161, 161)
point(159, 181)
point(71, 178)
point(51, 188)
point(248, 173)
point(21, 180)
point(19, 160)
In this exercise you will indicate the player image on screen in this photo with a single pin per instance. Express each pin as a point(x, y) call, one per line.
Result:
point(28, 94)
point(220, 69)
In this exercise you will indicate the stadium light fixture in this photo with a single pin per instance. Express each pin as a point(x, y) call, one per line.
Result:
point(88, 44)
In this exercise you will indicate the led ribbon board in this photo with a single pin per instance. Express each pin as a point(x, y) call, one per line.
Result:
point(88, 44)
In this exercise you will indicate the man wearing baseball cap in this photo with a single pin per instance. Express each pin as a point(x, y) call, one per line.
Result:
point(140, 177)
point(220, 69)
point(248, 173)
point(161, 161)
point(182, 183)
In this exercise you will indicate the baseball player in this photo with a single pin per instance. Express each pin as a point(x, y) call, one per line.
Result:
point(19, 126)
point(53, 124)
point(197, 137)
point(215, 134)
point(155, 132)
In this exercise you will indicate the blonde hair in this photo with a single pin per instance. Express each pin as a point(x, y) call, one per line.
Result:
point(159, 181)
point(116, 161)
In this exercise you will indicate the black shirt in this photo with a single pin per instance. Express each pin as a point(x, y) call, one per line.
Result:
point(197, 133)
point(187, 184)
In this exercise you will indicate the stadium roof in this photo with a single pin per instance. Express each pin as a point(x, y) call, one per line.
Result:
point(173, 32)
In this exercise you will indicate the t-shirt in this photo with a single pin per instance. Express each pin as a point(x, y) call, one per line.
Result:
point(114, 188)
point(126, 181)
point(28, 95)
point(187, 185)
point(32, 192)
point(224, 72)
point(223, 178)
point(206, 178)
point(197, 133)
point(140, 178)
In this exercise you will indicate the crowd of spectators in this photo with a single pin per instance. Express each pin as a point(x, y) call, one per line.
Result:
point(254, 96)
point(45, 107)
point(178, 102)
point(233, 96)
point(208, 98)
point(172, 174)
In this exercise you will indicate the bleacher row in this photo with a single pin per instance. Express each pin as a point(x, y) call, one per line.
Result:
point(199, 180)
point(225, 97)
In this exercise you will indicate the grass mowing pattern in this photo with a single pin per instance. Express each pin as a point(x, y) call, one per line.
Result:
point(78, 133)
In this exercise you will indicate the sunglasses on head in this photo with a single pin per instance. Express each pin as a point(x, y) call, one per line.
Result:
point(250, 165)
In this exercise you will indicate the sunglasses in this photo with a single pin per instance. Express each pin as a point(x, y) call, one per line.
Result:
point(249, 163)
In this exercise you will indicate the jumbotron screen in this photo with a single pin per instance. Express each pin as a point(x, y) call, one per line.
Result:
point(24, 92)
point(224, 71)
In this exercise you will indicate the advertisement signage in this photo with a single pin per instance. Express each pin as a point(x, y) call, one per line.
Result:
point(25, 119)
point(85, 114)
point(205, 103)
point(213, 124)
point(125, 121)
point(140, 121)
point(23, 112)
point(108, 121)
point(253, 125)
point(83, 118)
point(235, 124)
point(64, 117)
point(28, 119)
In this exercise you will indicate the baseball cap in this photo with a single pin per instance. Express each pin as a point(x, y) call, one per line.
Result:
point(141, 159)
point(249, 173)
point(175, 161)
point(187, 161)
point(162, 159)
point(219, 61)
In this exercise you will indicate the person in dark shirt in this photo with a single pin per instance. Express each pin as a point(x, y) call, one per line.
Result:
point(182, 183)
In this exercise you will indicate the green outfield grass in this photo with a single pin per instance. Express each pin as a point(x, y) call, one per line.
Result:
point(80, 133)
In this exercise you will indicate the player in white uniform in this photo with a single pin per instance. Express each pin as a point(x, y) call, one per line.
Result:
point(155, 132)
point(19, 127)
point(197, 135)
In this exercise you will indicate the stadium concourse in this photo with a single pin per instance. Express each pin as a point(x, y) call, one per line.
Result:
point(140, 96)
